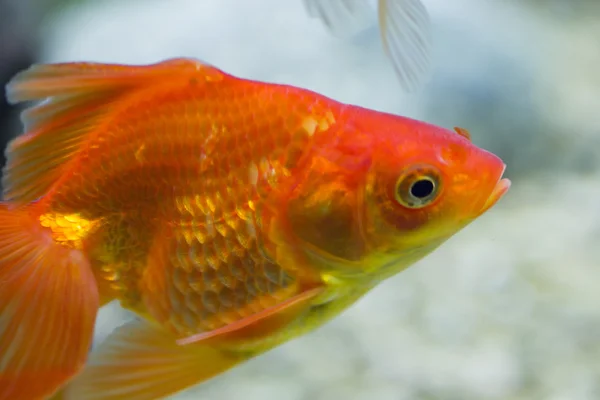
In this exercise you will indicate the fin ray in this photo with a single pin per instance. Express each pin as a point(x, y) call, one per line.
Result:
point(48, 300)
point(405, 31)
point(343, 18)
point(74, 98)
point(140, 361)
point(406, 35)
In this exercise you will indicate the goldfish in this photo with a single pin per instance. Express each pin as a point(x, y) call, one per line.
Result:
point(405, 32)
point(230, 215)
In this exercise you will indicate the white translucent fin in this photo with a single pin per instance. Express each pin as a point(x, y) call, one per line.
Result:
point(343, 18)
point(406, 35)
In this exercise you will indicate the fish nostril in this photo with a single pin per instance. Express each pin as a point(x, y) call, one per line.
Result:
point(453, 154)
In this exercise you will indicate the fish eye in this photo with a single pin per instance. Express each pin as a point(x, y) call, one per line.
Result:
point(418, 187)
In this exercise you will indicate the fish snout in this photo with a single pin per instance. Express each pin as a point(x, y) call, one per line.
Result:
point(496, 184)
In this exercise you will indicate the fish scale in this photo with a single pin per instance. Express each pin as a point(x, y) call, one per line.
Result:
point(226, 265)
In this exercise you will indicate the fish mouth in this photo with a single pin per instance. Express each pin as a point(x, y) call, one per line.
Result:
point(499, 190)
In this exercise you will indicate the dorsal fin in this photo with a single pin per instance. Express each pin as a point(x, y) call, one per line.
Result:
point(75, 97)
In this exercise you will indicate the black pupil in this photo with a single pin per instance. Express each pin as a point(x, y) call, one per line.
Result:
point(422, 188)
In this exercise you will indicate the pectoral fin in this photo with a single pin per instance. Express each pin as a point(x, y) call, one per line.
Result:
point(259, 324)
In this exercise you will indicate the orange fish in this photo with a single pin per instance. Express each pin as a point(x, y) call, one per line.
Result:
point(231, 215)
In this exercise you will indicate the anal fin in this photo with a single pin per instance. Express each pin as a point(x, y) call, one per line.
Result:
point(141, 361)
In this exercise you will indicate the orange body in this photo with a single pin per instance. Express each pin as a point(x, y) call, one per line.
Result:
point(230, 214)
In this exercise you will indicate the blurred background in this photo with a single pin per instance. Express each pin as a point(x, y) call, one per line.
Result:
point(508, 308)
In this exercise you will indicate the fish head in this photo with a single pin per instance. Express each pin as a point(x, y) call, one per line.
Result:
point(385, 199)
point(423, 187)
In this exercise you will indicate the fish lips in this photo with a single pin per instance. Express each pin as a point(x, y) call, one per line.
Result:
point(502, 186)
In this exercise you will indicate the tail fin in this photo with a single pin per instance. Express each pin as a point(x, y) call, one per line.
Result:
point(48, 306)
